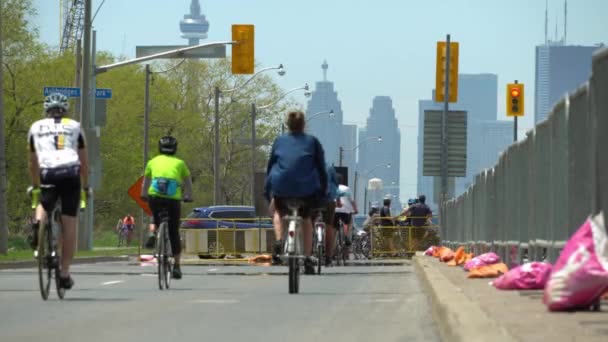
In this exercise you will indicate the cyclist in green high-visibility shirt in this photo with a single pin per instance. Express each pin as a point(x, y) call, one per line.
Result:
point(167, 181)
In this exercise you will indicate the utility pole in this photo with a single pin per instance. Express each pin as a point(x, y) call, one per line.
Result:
point(444, 126)
point(3, 203)
point(340, 157)
point(253, 118)
point(515, 125)
point(85, 115)
point(146, 147)
point(216, 148)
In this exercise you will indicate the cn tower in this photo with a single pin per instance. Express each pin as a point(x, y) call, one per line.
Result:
point(194, 26)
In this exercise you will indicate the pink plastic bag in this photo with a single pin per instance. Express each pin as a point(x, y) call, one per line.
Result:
point(482, 260)
point(580, 275)
point(429, 251)
point(530, 276)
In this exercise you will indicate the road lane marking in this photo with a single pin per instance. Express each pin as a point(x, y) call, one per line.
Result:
point(213, 269)
point(385, 300)
point(112, 282)
point(215, 301)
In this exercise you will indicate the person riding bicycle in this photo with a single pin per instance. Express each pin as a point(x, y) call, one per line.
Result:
point(345, 213)
point(296, 170)
point(127, 226)
point(167, 181)
point(58, 158)
point(332, 201)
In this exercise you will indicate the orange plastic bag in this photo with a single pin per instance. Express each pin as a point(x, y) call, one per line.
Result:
point(446, 255)
point(437, 251)
point(458, 257)
point(263, 259)
point(490, 271)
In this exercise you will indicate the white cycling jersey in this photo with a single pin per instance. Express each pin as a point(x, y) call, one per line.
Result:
point(56, 142)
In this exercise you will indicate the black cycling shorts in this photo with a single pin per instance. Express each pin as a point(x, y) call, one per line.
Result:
point(67, 190)
point(173, 208)
point(344, 217)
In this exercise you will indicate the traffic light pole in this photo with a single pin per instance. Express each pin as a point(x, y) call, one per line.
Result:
point(444, 131)
point(515, 125)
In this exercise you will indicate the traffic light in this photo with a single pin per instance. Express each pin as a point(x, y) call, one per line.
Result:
point(515, 99)
point(440, 72)
point(243, 50)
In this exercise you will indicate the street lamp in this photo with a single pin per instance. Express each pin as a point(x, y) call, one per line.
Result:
point(216, 129)
point(330, 112)
point(342, 149)
point(254, 109)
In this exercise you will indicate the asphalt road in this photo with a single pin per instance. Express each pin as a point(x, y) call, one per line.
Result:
point(121, 301)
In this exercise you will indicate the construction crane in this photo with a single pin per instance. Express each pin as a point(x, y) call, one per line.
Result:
point(72, 18)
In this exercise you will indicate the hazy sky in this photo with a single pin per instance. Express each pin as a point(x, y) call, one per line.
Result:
point(380, 47)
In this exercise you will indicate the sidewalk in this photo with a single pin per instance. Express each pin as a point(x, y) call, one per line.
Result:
point(471, 310)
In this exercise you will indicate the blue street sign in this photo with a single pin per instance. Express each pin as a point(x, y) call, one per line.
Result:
point(69, 92)
point(100, 93)
point(103, 93)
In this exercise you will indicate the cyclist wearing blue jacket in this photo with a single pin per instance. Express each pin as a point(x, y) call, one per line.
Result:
point(296, 170)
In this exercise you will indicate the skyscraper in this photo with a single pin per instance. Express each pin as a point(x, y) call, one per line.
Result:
point(559, 69)
point(194, 26)
point(328, 129)
point(374, 155)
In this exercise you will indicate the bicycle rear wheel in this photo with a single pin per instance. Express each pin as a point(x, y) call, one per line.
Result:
point(44, 261)
point(294, 275)
point(160, 256)
point(167, 257)
point(321, 257)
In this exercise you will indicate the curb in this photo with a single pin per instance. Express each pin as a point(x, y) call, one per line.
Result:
point(84, 260)
point(457, 317)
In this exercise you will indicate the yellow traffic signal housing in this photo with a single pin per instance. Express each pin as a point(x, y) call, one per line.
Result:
point(440, 72)
point(515, 99)
point(243, 50)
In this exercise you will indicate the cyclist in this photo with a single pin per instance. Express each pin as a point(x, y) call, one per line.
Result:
point(128, 225)
point(346, 211)
point(296, 170)
point(58, 157)
point(167, 181)
point(332, 200)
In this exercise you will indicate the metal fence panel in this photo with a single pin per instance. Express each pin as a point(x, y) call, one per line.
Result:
point(579, 159)
point(599, 83)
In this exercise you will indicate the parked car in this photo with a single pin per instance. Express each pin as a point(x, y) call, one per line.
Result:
point(225, 216)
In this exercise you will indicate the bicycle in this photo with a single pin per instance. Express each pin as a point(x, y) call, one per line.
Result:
point(340, 247)
point(123, 233)
point(319, 240)
point(293, 244)
point(47, 252)
point(163, 251)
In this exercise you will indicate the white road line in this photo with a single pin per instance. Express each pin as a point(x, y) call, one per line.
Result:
point(213, 269)
point(112, 282)
point(385, 300)
point(215, 301)
point(148, 275)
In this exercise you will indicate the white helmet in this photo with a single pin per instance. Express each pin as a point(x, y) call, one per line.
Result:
point(56, 100)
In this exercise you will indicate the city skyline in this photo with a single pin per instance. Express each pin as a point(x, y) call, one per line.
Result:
point(301, 36)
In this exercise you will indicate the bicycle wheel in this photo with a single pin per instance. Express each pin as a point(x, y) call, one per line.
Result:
point(339, 250)
point(294, 275)
point(320, 256)
point(167, 257)
point(160, 256)
point(56, 257)
point(44, 261)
